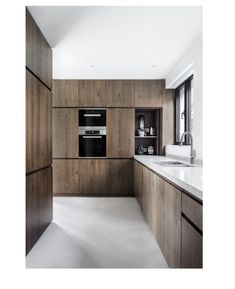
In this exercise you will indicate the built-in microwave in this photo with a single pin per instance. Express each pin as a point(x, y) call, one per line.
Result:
point(91, 117)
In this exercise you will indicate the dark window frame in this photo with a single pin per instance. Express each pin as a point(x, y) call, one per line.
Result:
point(187, 110)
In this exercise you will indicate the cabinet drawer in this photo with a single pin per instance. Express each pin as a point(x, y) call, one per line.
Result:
point(192, 210)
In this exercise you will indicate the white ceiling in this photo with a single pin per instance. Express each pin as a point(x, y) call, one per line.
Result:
point(108, 42)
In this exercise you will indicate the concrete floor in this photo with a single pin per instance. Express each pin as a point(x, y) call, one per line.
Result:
point(96, 233)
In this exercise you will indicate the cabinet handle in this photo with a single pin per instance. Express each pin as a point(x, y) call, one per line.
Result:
point(92, 136)
point(94, 114)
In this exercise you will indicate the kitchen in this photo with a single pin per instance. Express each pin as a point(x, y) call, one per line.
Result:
point(113, 150)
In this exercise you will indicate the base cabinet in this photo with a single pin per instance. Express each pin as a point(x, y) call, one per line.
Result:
point(191, 256)
point(93, 177)
point(38, 205)
point(163, 206)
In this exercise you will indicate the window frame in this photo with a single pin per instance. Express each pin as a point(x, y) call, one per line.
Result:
point(187, 110)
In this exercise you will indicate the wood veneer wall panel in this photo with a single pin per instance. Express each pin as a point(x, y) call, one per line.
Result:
point(38, 124)
point(38, 52)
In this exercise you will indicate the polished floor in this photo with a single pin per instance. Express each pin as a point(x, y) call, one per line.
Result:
point(96, 233)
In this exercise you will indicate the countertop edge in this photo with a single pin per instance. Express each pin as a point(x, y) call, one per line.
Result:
point(183, 186)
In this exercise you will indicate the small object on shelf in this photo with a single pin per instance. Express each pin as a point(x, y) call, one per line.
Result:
point(140, 150)
point(141, 132)
point(150, 150)
point(141, 124)
point(152, 131)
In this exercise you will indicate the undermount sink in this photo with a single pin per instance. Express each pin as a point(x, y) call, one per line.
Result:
point(172, 164)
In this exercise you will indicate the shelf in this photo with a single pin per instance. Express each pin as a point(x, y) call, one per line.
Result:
point(146, 136)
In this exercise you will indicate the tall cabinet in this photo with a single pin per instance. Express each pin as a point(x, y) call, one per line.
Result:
point(38, 133)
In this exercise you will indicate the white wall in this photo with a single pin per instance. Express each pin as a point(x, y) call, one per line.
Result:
point(191, 63)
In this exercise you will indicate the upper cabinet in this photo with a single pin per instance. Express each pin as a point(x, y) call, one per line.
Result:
point(38, 52)
point(38, 124)
point(65, 93)
point(121, 93)
point(92, 93)
point(120, 132)
point(79, 93)
point(148, 93)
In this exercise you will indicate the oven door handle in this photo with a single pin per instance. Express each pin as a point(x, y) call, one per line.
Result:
point(91, 136)
point(92, 114)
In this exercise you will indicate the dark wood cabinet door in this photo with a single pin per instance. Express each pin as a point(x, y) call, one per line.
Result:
point(148, 93)
point(65, 177)
point(120, 132)
point(38, 205)
point(38, 124)
point(92, 93)
point(138, 183)
point(99, 90)
point(120, 177)
point(150, 198)
point(121, 93)
point(65, 93)
point(38, 52)
point(191, 255)
point(65, 133)
point(168, 230)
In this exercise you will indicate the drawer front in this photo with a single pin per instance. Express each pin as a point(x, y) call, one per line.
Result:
point(192, 210)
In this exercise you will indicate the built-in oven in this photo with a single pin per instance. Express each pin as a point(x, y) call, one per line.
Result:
point(92, 141)
point(90, 117)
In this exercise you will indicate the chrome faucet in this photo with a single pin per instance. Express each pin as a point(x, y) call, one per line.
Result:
point(193, 152)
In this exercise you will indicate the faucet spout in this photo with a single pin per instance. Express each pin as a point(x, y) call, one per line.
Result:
point(193, 152)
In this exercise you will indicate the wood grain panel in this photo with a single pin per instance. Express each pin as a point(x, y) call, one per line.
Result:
point(168, 230)
point(38, 124)
point(38, 52)
point(92, 177)
point(99, 93)
point(120, 132)
point(148, 93)
point(168, 117)
point(121, 93)
point(65, 93)
point(191, 246)
point(65, 132)
point(192, 210)
point(65, 177)
point(138, 183)
point(120, 177)
point(38, 205)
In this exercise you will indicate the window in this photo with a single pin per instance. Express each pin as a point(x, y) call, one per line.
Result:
point(184, 111)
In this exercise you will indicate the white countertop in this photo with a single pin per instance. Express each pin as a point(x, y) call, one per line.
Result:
point(187, 178)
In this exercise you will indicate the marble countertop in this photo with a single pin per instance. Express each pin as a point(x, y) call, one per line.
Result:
point(187, 178)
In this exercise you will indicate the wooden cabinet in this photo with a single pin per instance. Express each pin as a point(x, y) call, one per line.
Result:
point(191, 256)
point(93, 177)
point(120, 176)
point(121, 93)
point(65, 93)
point(65, 177)
point(38, 205)
point(120, 132)
point(161, 206)
point(150, 198)
point(65, 133)
point(38, 124)
point(138, 183)
point(148, 93)
point(169, 222)
point(38, 52)
point(92, 93)
point(191, 239)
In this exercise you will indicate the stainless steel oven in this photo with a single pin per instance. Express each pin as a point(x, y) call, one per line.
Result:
point(92, 141)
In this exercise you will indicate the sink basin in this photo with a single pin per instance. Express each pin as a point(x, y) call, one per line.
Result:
point(172, 164)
